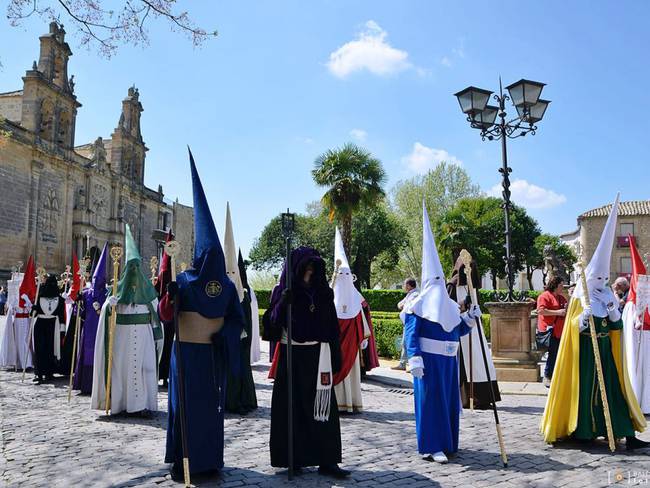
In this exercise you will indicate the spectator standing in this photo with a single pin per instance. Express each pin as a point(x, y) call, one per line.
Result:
point(551, 310)
point(621, 289)
point(3, 300)
point(411, 288)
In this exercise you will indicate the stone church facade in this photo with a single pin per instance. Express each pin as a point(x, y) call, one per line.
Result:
point(56, 196)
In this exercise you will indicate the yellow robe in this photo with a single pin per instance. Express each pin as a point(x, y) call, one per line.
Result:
point(561, 413)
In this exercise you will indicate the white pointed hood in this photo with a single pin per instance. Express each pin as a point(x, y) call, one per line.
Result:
point(433, 302)
point(347, 298)
point(230, 252)
point(597, 271)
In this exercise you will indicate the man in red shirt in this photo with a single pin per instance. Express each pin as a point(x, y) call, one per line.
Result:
point(551, 310)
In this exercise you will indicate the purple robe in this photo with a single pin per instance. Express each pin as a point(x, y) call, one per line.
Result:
point(83, 377)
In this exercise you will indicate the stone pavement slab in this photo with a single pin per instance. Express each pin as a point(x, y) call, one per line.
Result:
point(50, 443)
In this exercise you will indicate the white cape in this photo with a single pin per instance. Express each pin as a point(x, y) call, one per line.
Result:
point(14, 350)
point(255, 340)
point(637, 350)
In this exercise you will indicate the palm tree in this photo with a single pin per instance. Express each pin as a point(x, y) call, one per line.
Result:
point(353, 177)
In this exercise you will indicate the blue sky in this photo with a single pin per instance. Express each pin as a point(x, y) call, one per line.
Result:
point(286, 80)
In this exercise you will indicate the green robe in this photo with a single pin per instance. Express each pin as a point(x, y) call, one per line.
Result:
point(240, 390)
point(591, 420)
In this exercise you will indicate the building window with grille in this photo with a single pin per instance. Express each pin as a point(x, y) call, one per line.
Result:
point(626, 266)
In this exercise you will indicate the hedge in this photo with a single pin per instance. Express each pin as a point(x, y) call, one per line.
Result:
point(388, 332)
point(387, 300)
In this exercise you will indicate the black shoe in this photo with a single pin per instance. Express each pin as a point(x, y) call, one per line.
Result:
point(334, 471)
point(37, 379)
point(165, 384)
point(633, 442)
point(176, 473)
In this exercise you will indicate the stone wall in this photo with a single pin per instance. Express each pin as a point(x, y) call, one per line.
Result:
point(591, 229)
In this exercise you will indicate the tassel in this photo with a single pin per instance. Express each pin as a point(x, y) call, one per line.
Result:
point(322, 405)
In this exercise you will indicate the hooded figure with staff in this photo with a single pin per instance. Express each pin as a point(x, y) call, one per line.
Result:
point(129, 341)
point(208, 317)
point(433, 327)
point(591, 394)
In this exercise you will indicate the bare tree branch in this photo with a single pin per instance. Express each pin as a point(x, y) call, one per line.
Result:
point(108, 29)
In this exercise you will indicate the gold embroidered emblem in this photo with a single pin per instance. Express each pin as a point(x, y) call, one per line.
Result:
point(213, 289)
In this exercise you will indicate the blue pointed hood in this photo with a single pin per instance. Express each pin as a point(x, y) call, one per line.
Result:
point(205, 287)
point(99, 275)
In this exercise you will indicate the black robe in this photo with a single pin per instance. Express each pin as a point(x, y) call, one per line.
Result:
point(240, 392)
point(45, 362)
point(314, 443)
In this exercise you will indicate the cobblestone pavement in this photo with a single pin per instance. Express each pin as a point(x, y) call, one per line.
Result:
point(48, 442)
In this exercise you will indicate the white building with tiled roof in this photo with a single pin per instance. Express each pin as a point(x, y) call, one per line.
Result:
point(633, 219)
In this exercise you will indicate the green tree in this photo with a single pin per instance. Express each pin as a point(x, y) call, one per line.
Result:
point(535, 257)
point(375, 233)
point(440, 188)
point(353, 178)
point(477, 225)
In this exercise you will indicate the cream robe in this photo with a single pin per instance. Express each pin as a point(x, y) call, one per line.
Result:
point(348, 391)
point(637, 349)
point(134, 375)
point(14, 350)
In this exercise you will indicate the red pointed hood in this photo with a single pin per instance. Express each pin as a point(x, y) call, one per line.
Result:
point(638, 268)
point(28, 285)
point(76, 278)
point(165, 269)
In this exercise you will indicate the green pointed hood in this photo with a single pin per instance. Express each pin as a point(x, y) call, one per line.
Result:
point(134, 286)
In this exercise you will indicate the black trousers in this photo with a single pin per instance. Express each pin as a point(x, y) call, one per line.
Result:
point(554, 344)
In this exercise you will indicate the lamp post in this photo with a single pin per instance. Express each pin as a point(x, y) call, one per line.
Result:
point(525, 96)
point(288, 224)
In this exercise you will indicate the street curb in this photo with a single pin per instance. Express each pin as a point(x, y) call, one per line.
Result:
point(393, 382)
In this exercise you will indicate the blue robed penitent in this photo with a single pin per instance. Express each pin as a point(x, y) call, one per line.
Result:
point(437, 393)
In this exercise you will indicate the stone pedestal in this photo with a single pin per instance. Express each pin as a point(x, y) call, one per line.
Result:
point(511, 338)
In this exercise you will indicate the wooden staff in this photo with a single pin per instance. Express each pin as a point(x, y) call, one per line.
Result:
point(40, 275)
point(76, 333)
point(471, 357)
point(336, 273)
point(172, 248)
point(466, 258)
point(580, 267)
point(116, 254)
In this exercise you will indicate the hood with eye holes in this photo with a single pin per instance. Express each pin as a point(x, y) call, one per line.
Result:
point(433, 302)
point(598, 270)
point(347, 299)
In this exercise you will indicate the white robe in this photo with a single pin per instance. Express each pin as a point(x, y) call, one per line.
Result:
point(14, 350)
point(255, 340)
point(348, 391)
point(637, 350)
point(478, 366)
point(134, 375)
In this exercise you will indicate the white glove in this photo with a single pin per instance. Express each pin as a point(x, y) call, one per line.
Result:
point(68, 300)
point(417, 373)
point(364, 344)
point(96, 306)
point(416, 366)
point(112, 300)
point(474, 312)
point(605, 296)
point(584, 317)
point(638, 323)
point(28, 302)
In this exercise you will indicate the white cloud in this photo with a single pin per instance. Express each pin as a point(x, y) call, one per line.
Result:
point(445, 61)
point(359, 134)
point(423, 158)
point(529, 195)
point(369, 51)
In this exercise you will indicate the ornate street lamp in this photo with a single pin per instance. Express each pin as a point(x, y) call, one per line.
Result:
point(524, 95)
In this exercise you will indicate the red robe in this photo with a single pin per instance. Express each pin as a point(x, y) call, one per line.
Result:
point(351, 338)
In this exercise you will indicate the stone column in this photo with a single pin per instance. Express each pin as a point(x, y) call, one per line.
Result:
point(510, 329)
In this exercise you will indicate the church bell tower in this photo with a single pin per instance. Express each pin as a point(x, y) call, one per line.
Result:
point(49, 104)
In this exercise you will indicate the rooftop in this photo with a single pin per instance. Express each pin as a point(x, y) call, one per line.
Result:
point(625, 209)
